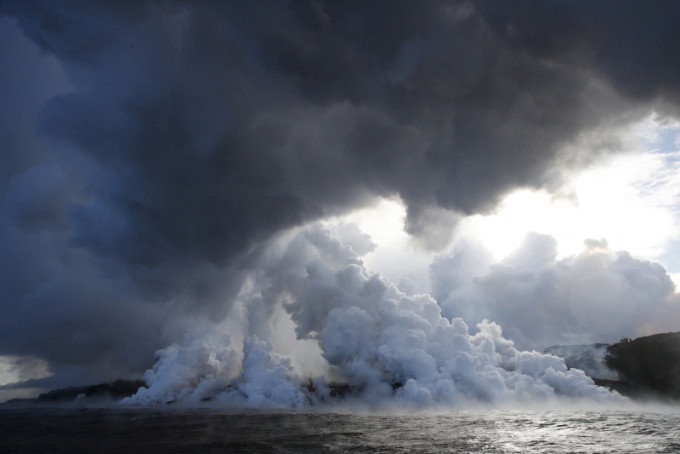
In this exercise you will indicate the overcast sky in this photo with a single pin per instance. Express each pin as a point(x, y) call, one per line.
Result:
point(512, 161)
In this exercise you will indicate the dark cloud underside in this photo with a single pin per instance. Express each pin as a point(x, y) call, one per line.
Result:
point(189, 133)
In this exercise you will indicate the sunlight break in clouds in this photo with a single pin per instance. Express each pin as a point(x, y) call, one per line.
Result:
point(396, 255)
point(630, 200)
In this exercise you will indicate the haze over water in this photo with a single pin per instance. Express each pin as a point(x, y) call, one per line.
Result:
point(208, 430)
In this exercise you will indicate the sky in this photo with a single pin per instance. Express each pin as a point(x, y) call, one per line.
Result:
point(232, 189)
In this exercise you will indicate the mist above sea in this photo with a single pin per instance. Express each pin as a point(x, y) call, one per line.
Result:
point(106, 430)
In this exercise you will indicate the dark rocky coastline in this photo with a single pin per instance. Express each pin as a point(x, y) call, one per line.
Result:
point(649, 366)
point(644, 368)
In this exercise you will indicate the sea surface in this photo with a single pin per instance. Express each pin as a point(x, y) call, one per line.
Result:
point(106, 430)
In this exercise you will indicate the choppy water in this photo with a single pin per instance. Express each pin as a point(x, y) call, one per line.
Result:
point(206, 431)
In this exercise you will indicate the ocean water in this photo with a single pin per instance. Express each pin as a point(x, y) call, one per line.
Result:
point(60, 430)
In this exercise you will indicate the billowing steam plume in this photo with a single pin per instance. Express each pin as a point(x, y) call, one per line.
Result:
point(378, 340)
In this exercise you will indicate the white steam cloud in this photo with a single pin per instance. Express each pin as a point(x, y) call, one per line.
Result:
point(383, 344)
point(596, 296)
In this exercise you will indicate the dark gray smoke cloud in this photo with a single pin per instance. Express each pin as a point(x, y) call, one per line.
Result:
point(150, 148)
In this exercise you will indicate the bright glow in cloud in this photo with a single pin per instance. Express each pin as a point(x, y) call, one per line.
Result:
point(384, 222)
point(396, 256)
point(630, 200)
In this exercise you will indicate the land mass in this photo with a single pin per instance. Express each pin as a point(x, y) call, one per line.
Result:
point(642, 368)
point(648, 366)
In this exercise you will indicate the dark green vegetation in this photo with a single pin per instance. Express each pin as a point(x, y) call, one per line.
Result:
point(647, 365)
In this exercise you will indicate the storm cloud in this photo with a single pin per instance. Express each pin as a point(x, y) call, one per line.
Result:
point(153, 151)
